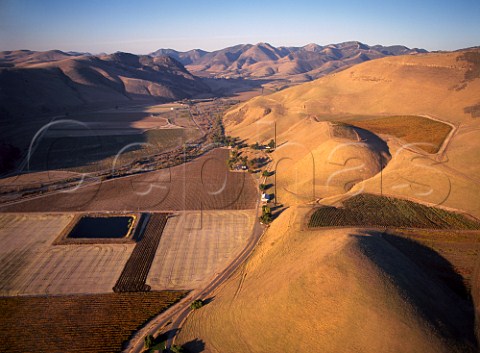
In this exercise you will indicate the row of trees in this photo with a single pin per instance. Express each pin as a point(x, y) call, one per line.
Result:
point(257, 146)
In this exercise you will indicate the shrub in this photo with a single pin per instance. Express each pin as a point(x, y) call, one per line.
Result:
point(176, 349)
point(196, 304)
point(266, 216)
point(148, 341)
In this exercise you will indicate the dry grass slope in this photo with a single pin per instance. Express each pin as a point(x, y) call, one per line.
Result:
point(443, 86)
point(341, 290)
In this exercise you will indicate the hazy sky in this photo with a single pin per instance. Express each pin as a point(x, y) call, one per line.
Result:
point(142, 26)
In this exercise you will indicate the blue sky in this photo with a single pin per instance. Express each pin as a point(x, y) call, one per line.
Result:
point(145, 25)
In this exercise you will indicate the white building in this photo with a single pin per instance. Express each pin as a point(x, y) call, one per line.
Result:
point(265, 197)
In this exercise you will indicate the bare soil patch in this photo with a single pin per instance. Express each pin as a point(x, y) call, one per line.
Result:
point(204, 183)
point(33, 265)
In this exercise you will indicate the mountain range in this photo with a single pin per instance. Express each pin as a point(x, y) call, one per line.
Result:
point(52, 82)
point(298, 64)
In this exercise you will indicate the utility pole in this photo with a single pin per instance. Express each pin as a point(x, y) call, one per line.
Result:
point(275, 134)
point(381, 177)
point(275, 140)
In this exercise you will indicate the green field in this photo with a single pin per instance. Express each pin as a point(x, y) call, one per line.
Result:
point(367, 210)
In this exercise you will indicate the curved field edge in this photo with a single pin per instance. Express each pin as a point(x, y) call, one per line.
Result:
point(78, 323)
point(422, 132)
point(367, 210)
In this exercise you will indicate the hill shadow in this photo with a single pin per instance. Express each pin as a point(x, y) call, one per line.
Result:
point(373, 141)
point(427, 281)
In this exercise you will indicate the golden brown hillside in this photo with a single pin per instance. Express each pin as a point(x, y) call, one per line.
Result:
point(344, 290)
point(439, 87)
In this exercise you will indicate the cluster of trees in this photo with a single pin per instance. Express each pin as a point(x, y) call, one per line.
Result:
point(257, 146)
point(149, 343)
point(218, 134)
point(266, 217)
point(235, 158)
point(219, 137)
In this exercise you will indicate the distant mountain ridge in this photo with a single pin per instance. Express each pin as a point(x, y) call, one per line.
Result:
point(54, 81)
point(296, 63)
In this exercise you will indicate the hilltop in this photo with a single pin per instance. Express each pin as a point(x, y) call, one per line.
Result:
point(343, 290)
point(295, 64)
point(53, 81)
point(408, 91)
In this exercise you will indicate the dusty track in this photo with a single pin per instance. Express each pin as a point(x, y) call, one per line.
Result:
point(173, 318)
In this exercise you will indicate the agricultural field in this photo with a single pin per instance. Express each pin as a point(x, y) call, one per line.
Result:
point(429, 134)
point(134, 275)
point(449, 255)
point(178, 251)
point(88, 141)
point(32, 265)
point(366, 210)
point(77, 323)
point(204, 183)
point(97, 150)
point(196, 245)
point(112, 143)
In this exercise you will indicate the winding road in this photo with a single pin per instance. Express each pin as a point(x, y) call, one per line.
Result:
point(174, 317)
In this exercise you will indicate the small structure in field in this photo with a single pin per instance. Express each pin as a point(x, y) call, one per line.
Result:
point(265, 197)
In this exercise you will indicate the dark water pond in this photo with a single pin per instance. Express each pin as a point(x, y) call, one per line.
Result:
point(101, 227)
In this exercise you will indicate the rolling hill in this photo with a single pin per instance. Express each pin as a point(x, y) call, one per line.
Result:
point(55, 82)
point(297, 64)
point(335, 290)
point(442, 86)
